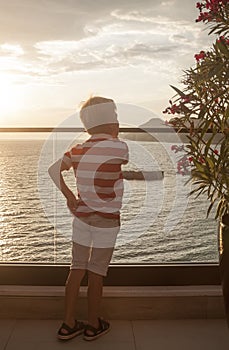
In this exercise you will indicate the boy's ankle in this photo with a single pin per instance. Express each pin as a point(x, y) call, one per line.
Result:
point(94, 322)
point(69, 322)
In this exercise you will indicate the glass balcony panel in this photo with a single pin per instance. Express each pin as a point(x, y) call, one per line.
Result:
point(160, 224)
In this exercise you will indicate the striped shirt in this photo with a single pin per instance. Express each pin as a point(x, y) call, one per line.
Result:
point(97, 167)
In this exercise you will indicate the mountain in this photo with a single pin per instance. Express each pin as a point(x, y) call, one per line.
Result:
point(159, 132)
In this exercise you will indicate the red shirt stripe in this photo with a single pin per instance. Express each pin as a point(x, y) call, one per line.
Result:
point(98, 191)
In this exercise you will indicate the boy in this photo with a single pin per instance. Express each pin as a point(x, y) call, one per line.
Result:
point(97, 167)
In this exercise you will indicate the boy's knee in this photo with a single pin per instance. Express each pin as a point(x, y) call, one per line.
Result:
point(93, 275)
point(75, 275)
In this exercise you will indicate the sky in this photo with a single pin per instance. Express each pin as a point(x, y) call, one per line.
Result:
point(55, 53)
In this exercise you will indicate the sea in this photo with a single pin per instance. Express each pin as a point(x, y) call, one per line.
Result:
point(161, 223)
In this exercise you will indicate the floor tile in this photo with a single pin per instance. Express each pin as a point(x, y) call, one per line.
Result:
point(120, 331)
point(99, 344)
point(181, 334)
point(6, 328)
point(74, 344)
point(34, 330)
point(41, 335)
point(124, 335)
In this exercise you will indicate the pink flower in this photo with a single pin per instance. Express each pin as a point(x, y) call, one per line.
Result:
point(223, 40)
point(204, 16)
point(200, 56)
point(186, 98)
point(213, 9)
point(181, 172)
point(174, 108)
point(199, 5)
point(201, 160)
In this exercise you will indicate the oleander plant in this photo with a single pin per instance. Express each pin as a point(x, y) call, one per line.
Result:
point(201, 108)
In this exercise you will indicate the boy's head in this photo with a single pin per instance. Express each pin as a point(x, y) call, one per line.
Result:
point(98, 115)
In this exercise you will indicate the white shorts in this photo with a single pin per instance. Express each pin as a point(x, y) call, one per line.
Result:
point(93, 243)
point(95, 231)
point(96, 260)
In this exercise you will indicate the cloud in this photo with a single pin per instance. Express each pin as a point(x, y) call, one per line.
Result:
point(119, 44)
point(133, 16)
point(168, 3)
point(11, 50)
point(30, 21)
point(60, 37)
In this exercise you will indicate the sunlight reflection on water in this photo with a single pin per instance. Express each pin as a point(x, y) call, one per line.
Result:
point(28, 236)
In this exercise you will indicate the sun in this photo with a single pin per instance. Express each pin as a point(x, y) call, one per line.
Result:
point(11, 96)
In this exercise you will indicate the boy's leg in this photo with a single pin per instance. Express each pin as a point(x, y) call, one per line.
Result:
point(80, 255)
point(97, 270)
point(103, 237)
point(95, 291)
point(71, 293)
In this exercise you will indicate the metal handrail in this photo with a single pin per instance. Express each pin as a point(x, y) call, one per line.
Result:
point(81, 129)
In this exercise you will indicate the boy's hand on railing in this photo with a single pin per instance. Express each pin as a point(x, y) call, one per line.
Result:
point(72, 203)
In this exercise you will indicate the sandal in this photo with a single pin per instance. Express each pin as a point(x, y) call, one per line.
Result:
point(103, 328)
point(71, 332)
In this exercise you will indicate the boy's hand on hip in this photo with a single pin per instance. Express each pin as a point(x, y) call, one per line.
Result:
point(72, 203)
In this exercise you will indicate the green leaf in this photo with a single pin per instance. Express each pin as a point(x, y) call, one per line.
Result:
point(202, 112)
point(221, 208)
point(205, 125)
point(181, 93)
point(210, 163)
point(218, 209)
point(222, 47)
point(214, 28)
point(208, 145)
point(210, 207)
point(185, 109)
point(227, 112)
point(215, 71)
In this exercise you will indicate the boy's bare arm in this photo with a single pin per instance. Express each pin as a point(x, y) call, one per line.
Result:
point(55, 172)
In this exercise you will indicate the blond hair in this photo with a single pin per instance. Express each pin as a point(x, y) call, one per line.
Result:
point(98, 114)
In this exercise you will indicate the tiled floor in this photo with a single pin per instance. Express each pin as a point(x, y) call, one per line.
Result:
point(125, 335)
